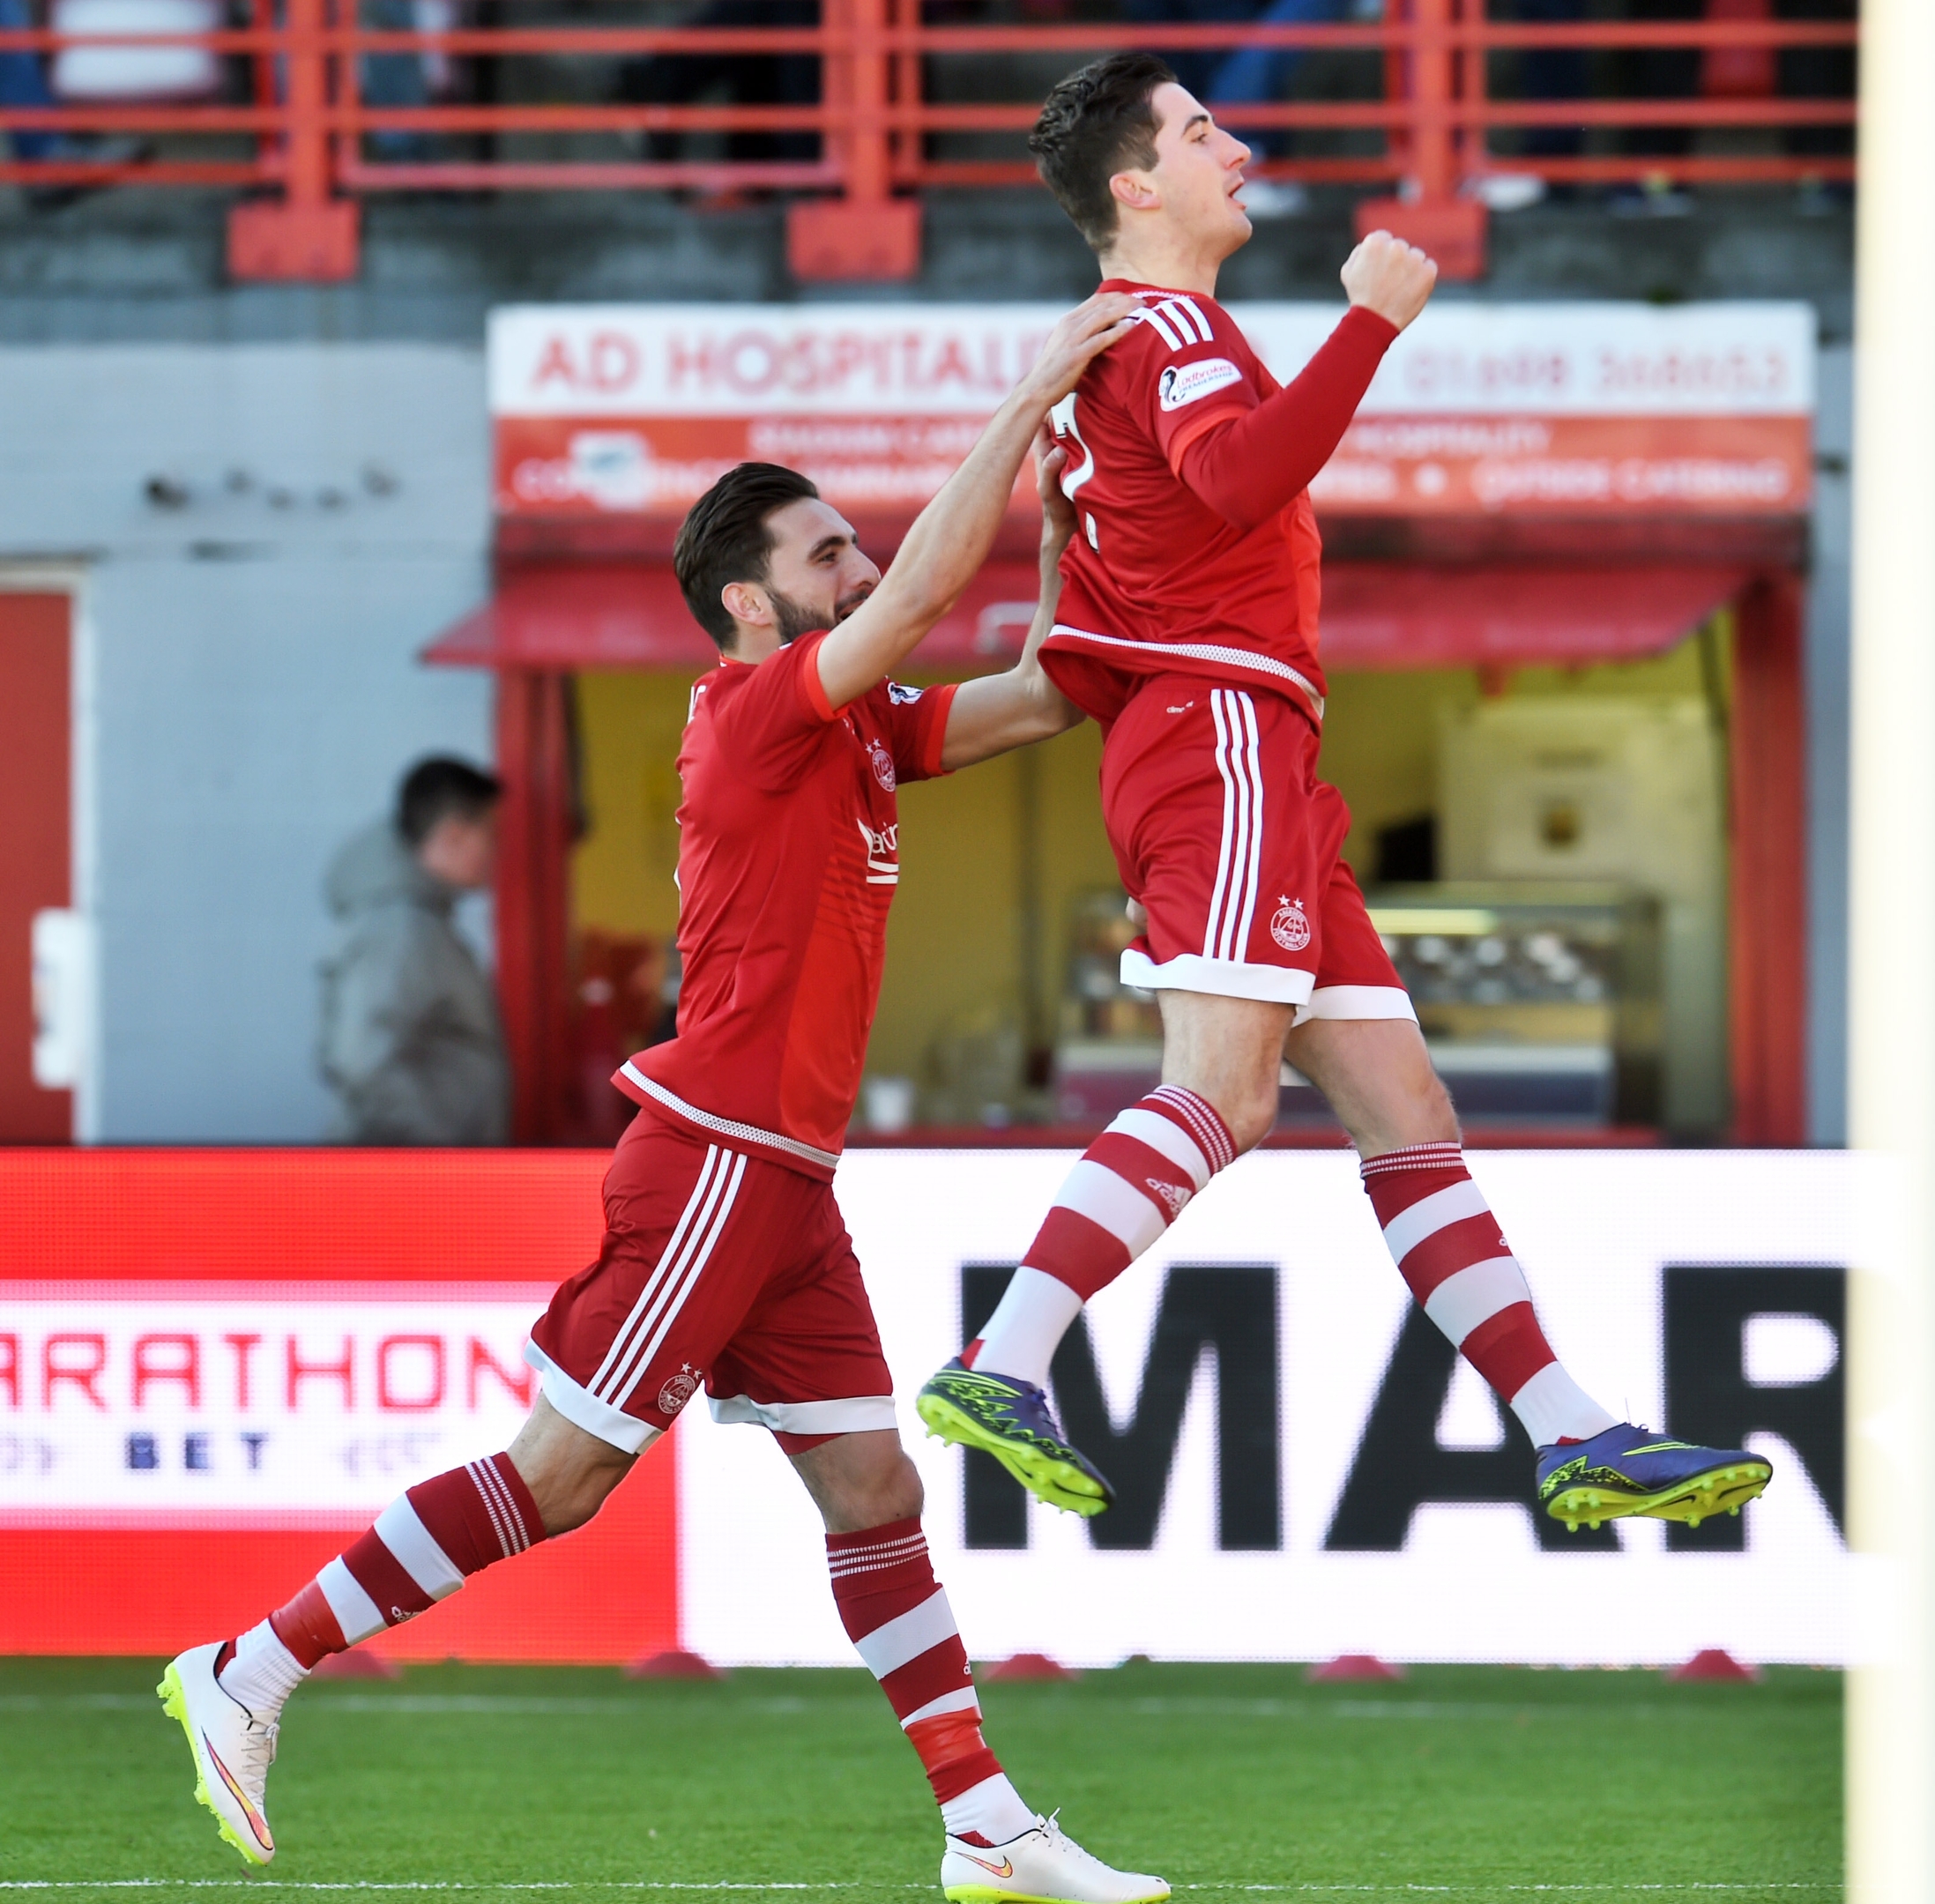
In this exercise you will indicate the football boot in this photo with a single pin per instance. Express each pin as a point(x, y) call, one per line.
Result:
point(1011, 1420)
point(1627, 1470)
point(233, 1749)
point(1043, 1866)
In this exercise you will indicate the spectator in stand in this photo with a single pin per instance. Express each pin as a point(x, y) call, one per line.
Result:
point(412, 1043)
point(1547, 73)
point(23, 83)
point(1817, 72)
point(406, 79)
point(743, 78)
point(1658, 72)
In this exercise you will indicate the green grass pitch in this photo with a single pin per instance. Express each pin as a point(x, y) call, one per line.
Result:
point(1230, 1781)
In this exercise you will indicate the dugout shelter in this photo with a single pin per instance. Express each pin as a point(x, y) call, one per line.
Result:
point(1599, 508)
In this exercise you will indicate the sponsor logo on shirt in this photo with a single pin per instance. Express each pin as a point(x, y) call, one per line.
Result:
point(882, 852)
point(902, 697)
point(883, 763)
point(1189, 383)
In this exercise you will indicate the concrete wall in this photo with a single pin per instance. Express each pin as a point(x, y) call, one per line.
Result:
point(251, 651)
point(249, 639)
point(1829, 614)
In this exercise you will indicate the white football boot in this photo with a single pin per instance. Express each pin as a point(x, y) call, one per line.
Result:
point(233, 1748)
point(1042, 1866)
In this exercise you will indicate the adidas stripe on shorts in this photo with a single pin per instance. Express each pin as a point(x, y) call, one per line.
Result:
point(1222, 830)
point(718, 1269)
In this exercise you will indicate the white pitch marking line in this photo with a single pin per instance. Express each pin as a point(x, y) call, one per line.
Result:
point(636, 1884)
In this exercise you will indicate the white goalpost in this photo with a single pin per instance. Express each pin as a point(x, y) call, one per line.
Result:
point(1891, 1689)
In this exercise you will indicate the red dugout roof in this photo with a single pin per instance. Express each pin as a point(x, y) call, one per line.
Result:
point(572, 616)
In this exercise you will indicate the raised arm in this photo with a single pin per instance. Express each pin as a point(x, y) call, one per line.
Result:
point(1003, 711)
point(1249, 468)
point(951, 537)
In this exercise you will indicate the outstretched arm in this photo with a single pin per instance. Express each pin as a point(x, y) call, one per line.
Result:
point(1003, 711)
point(951, 537)
point(1249, 468)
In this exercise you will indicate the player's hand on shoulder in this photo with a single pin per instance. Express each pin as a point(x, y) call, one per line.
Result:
point(1076, 340)
point(1387, 275)
point(1057, 512)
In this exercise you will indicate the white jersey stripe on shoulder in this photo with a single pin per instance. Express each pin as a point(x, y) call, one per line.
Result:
point(1195, 310)
point(1187, 319)
point(1151, 315)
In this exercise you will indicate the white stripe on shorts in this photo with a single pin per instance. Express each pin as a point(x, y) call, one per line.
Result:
point(1233, 853)
point(700, 1189)
point(674, 1299)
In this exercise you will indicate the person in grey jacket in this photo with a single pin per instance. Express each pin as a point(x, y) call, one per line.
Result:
point(412, 1043)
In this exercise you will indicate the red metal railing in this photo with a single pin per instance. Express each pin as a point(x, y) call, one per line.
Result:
point(304, 130)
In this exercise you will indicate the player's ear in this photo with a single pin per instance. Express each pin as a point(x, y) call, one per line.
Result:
point(745, 601)
point(1134, 190)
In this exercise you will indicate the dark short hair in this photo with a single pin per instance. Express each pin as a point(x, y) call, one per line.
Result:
point(1097, 122)
point(435, 788)
point(724, 539)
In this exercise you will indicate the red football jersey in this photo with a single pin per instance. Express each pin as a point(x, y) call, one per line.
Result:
point(1154, 580)
point(789, 853)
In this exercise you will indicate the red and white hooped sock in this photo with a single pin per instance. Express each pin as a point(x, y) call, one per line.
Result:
point(1130, 1185)
point(1447, 1246)
point(426, 1544)
point(897, 1615)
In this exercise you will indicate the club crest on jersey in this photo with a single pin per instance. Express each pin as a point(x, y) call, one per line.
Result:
point(1287, 926)
point(679, 1389)
point(1189, 383)
point(883, 763)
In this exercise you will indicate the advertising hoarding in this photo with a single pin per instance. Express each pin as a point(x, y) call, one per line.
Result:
point(189, 1429)
point(1586, 408)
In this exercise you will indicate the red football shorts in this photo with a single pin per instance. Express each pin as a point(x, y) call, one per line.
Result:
point(717, 1269)
point(1225, 834)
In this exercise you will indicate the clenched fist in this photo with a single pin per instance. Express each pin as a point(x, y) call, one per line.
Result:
point(1387, 275)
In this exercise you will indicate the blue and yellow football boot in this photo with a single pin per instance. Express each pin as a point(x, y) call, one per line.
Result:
point(1011, 1420)
point(1628, 1470)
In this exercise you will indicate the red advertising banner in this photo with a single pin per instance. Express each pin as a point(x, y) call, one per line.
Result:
point(216, 1367)
point(1585, 409)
